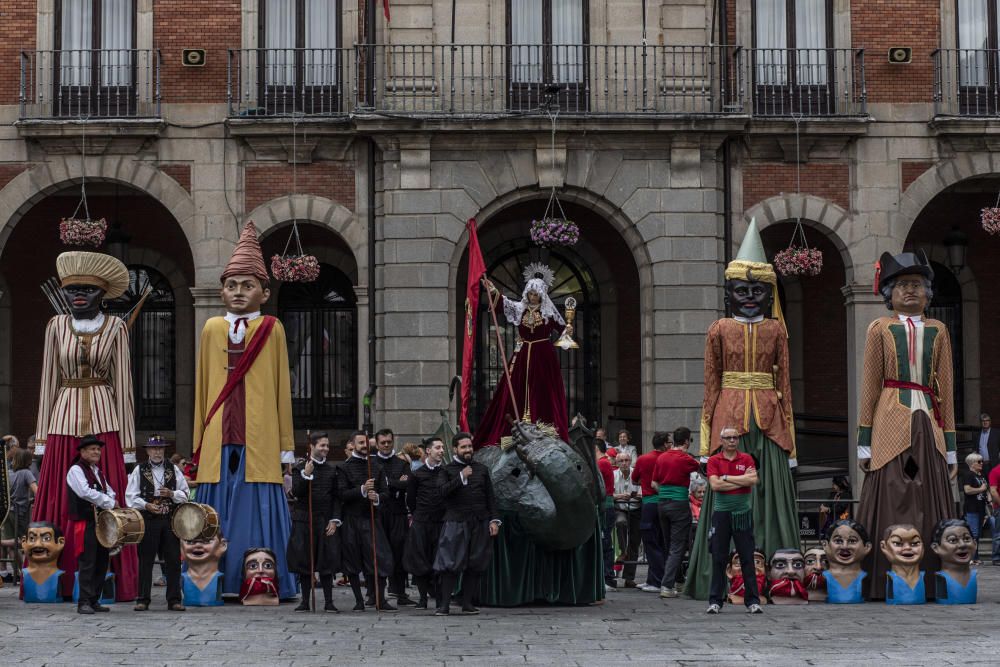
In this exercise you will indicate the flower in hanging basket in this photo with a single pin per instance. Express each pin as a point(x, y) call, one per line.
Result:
point(554, 231)
point(990, 218)
point(794, 261)
point(82, 231)
point(295, 268)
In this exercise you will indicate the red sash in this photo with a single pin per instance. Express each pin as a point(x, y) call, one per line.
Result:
point(258, 586)
point(913, 386)
point(250, 354)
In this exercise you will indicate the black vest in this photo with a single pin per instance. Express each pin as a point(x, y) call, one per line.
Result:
point(81, 509)
point(147, 486)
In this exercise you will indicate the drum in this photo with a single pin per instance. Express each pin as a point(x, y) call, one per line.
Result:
point(119, 527)
point(195, 521)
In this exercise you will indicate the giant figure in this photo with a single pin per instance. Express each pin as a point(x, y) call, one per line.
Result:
point(243, 418)
point(747, 387)
point(906, 417)
point(86, 389)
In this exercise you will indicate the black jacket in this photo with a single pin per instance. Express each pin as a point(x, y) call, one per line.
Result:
point(325, 501)
point(351, 477)
point(472, 500)
point(393, 469)
point(423, 494)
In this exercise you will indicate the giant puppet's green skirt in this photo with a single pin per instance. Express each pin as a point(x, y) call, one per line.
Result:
point(775, 525)
point(521, 572)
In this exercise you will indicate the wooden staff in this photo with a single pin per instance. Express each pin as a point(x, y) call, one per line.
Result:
point(371, 511)
point(312, 556)
point(503, 351)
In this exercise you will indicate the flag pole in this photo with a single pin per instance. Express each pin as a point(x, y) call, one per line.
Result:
point(503, 351)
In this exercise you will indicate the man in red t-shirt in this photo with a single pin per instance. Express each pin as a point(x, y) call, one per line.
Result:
point(649, 520)
point(731, 474)
point(671, 478)
point(994, 481)
point(607, 514)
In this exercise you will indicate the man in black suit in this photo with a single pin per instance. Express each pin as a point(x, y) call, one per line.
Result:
point(989, 443)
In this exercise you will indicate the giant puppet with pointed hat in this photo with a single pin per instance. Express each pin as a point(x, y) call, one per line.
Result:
point(747, 388)
point(243, 417)
point(906, 414)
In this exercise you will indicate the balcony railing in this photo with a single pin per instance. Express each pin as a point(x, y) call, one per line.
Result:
point(90, 83)
point(806, 82)
point(290, 82)
point(967, 82)
point(485, 79)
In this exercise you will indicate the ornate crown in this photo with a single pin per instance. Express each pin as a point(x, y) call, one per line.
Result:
point(539, 270)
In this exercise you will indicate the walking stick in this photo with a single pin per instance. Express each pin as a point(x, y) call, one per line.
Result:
point(312, 551)
point(371, 511)
point(503, 354)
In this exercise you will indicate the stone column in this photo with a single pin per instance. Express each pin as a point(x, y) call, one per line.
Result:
point(863, 307)
point(206, 303)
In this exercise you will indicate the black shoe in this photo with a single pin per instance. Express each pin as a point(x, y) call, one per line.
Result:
point(385, 606)
point(611, 581)
point(330, 608)
point(422, 604)
point(405, 601)
point(440, 611)
point(470, 610)
point(369, 602)
point(99, 607)
point(360, 606)
point(82, 609)
point(303, 606)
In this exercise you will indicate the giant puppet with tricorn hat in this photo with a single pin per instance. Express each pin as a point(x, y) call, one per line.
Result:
point(906, 414)
point(243, 417)
point(747, 388)
point(86, 388)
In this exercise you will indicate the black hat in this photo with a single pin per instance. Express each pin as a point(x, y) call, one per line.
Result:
point(88, 440)
point(905, 263)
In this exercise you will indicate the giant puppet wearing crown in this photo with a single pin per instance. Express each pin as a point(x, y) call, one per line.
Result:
point(747, 387)
point(243, 417)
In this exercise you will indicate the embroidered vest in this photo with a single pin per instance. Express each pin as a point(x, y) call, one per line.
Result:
point(147, 485)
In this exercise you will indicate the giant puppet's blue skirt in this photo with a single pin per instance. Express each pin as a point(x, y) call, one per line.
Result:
point(251, 514)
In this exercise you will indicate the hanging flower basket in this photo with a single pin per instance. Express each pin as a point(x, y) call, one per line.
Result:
point(554, 231)
point(83, 231)
point(990, 217)
point(295, 268)
point(793, 261)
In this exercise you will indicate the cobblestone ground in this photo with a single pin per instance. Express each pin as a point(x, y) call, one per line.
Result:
point(630, 627)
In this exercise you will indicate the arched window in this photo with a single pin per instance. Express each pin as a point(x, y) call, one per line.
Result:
point(154, 345)
point(947, 307)
point(581, 369)
point(320, 320)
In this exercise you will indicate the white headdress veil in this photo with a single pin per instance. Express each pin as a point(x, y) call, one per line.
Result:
point(538, 278)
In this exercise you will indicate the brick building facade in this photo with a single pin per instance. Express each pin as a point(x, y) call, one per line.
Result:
point(658, 141)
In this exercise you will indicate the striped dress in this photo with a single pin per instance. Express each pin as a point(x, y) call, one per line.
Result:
point(86, 382)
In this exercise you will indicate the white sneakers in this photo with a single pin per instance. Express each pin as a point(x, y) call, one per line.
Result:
point(648, 588)
point(713, 609)
point(752, 609)
point(668, 592)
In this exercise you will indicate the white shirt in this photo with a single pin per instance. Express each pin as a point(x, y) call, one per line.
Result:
point(132, 491)
point(748, 320)
point(236, 336)
point(77, 481)
point(623, 484)
point(88, 326)
point(364, 494)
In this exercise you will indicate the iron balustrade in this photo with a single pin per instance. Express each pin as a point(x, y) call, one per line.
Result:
point(90, 83)
point(290, 82)
point(966, 82)
point(807, 82)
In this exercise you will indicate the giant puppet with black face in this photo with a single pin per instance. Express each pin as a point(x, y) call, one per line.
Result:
point(86, 388)
point(747, 387)
point(243, 417)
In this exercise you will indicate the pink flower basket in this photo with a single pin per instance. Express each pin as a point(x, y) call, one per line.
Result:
point(990, 217)
point(295, 268)
point(554, 231)
point(794, 261)
point(83, 231)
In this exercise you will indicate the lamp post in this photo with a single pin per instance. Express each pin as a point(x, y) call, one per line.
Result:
point(956, 242)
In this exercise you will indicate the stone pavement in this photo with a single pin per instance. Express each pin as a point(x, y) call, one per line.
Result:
point(630, 627)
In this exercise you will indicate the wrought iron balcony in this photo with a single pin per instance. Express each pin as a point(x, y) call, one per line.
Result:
point(290, 82)
point(596, 80)
point(967, 82)
point(809, 83)
point(90, 83)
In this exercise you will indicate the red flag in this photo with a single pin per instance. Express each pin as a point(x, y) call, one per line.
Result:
point(385, 9)
point(477, 269)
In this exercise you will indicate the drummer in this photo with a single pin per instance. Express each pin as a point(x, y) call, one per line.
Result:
point(155, 488)
point(88, 489)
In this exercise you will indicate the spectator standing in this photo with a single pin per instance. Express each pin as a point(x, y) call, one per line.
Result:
point(412, 454)
point(994, 482)
point(989, 443)
point(601, 438)
point(23, 487)
point(607, 515)
point(671, 478)
point(628, 506)
point(625, 444)
point(976, 492)
point(649, 520)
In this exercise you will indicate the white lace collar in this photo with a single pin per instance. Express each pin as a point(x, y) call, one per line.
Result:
point(88, 326)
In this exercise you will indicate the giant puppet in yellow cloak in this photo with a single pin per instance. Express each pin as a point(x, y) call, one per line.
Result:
point(243, 417)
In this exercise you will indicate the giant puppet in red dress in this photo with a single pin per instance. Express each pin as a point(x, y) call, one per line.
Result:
point(535, 375)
